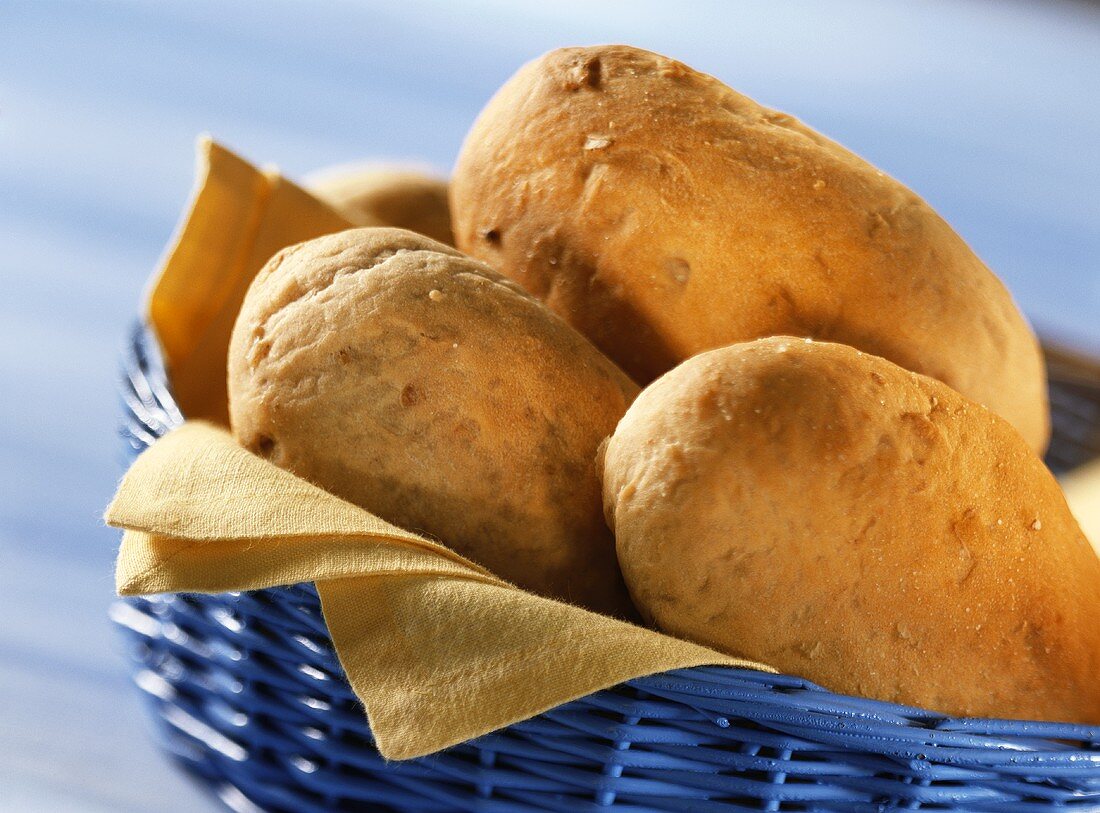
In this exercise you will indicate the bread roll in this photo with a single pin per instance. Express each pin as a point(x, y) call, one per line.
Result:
point(421, 385)
point(663, 214)
point(838, 517)
point(380, 195)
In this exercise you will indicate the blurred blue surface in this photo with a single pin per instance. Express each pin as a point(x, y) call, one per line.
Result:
point(991, 111)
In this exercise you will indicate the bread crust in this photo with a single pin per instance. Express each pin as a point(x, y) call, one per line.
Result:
point(663, 214)
point(827, 512)
point(388, 196)
point(423, 386)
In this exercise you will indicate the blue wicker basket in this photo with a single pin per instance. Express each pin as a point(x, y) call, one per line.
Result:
point(247, 694)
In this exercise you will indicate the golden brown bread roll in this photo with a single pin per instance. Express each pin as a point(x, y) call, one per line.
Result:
point(663, 214)
point(421, 385)
point(381, 195)
point(836, 516)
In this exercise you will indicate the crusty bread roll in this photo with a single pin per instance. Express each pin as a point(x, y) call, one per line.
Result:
point(423, 386)
point(383, 195)
point(836, 516)
point(663, 214)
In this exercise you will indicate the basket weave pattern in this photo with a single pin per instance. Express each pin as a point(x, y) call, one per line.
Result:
point(246, 692)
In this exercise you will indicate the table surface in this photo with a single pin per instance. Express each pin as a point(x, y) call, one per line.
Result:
point(990, 110)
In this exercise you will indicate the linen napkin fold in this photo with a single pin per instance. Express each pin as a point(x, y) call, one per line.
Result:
point(438, 649)
point(1082, 489)
point(239, 216)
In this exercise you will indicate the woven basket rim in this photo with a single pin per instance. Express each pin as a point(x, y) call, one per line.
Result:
point(787, 703)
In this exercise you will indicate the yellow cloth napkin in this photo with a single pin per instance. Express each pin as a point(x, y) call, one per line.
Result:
point(238, 218)
point(438, 649)
point(1082, 488)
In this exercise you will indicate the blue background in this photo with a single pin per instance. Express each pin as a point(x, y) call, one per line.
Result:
point(991, 111)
